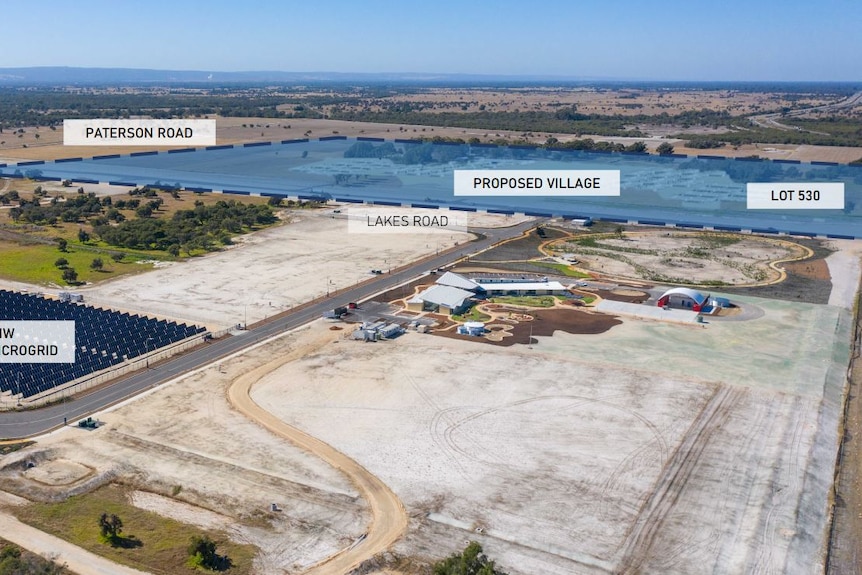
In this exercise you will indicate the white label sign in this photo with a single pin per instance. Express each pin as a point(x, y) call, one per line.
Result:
point(393, 220)
point(139, 132)
point(537, 183)
point(795, 196)
point(37, 341)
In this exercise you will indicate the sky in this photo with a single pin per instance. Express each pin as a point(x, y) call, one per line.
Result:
point(754, 40)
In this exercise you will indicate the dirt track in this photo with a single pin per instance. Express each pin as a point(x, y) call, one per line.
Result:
point(388, 519)
point(75, 558)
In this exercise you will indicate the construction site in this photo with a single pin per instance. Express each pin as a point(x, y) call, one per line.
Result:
point(624, 445)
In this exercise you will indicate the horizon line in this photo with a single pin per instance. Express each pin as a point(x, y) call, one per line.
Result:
point(419, 75)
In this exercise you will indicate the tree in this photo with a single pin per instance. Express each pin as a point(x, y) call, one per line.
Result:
point(664, 149)
point(13, 562)
point(639, 147)
point(470, 562)
point(62, 244)
point(202, 552)
point(117, 256)
point(70, 275)
point(97, 264)
point(83, 236)
point(61, 263)
point(110, 527)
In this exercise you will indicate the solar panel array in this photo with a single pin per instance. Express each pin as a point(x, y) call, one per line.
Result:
point(103, 338)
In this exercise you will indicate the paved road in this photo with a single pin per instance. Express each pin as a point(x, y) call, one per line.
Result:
point(23, 424)
point(770, 120)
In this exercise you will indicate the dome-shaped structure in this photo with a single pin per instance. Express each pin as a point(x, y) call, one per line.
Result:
point(685, 298)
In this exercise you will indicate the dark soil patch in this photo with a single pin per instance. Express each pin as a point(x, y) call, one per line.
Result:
point(809, 269)
point(794, 288)
point(523, 248)
point(523, 267)
point(406, 290)
point(546, 322)
point(7, 448)
point(609, 294)
point(800, 285)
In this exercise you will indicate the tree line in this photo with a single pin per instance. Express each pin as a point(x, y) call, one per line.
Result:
point(428, 151)
point(47, 107)
point(205, 227)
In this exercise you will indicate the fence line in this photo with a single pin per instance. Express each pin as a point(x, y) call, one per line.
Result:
point(95, 379)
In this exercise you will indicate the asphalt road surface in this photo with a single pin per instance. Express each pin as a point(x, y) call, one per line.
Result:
point(771, 120)
point(29, 423)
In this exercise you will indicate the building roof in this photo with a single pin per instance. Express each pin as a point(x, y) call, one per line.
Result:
point(688, 292)
point(523, 286)
point(448, 296)
point(458, 281)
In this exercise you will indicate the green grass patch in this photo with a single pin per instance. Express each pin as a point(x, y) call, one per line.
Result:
point(150, 542)
point(528, 300)
point(15, 560)
point(472, 315)
point(8, 448)
point(564, 269)
point(34, 264)
point(715, 241)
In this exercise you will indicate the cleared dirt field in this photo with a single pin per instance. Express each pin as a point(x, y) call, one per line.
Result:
point(291, 264)
point(682, 257)
point(627, 451)
point(646, 448)
point(201, 462)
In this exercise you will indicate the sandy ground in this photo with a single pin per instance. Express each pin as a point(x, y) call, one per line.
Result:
point(617, 450)
point(175, 437)
point(276, 269)
point(229, 470)
point(689, 257)
point(655, 447)
point(845, 267)
point(268, 273)
point(388, 518)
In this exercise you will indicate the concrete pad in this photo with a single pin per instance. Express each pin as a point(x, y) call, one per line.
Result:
point(642, 311)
